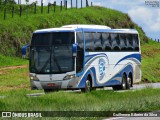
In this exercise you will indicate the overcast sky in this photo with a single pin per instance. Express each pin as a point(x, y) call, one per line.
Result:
point(145, 13)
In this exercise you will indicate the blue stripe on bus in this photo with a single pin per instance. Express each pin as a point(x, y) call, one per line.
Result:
point(137, 56)
point(91, 56)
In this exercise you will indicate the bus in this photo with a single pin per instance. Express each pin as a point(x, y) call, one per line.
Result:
point(84, 57)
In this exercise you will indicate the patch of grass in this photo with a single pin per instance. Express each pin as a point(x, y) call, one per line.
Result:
point(14, 78)
point(11, 61)
point(151, 62)
point(102, 100)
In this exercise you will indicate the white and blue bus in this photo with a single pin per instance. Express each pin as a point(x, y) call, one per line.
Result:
point(84, 57)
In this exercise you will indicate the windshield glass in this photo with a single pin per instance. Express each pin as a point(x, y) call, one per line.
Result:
point(62, 60)
point(54, 56)
point(47, 39)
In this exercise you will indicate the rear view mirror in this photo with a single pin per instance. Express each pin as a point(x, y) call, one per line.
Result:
point(74, 50)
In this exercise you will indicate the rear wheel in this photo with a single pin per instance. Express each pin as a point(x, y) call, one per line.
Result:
point(123, 85)
point(88, 86)
point(129, 82)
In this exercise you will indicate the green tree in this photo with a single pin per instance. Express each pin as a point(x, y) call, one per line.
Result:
point(8, 2)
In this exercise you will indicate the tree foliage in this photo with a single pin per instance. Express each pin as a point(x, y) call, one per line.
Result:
point(7, 2)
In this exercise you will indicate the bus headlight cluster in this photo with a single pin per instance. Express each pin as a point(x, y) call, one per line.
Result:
point(69, 77)
point(33, 77)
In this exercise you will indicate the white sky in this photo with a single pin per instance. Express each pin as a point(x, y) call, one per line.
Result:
point(146, 16)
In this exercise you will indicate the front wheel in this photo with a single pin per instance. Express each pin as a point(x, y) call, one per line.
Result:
point(124, 82)
point(88, 86)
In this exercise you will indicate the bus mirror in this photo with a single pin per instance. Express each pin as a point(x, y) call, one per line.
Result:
point(25, 49)
point(74, 50)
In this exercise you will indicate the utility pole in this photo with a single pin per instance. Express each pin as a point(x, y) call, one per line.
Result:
point(87, 3)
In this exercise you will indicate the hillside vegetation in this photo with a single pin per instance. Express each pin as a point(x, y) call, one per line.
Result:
point(17, 31)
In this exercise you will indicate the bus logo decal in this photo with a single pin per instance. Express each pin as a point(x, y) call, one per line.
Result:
point(101, 68)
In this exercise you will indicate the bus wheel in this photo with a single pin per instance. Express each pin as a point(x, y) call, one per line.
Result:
point(88, 86)
point(124, 82)
point(129, 83)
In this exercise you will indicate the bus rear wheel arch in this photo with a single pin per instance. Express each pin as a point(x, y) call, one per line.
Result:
point(123, 85)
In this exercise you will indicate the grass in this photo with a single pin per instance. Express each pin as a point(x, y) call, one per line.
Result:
point(11, 61)
point(102, 100)
point(14, 78)
point(151, 62)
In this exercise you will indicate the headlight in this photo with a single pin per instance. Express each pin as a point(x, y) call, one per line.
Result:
point(33, 77)
point(69, 77)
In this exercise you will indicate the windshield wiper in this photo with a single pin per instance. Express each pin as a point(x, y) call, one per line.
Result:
point(57, 64)
point(45, 65)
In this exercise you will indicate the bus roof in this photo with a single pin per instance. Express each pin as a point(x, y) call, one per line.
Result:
point(86, 28)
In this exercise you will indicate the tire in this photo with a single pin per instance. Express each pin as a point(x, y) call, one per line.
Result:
point(88, 86)
point(129, 83)
point(124, 82)
point(123, 86)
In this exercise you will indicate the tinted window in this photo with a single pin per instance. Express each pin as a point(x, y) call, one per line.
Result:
point(63, 38)
point(135, 42)
point(97, 41)
point(80, 53)
point(115, 41)
point(123, 41)
point(89, 42)
point(129, 42)
point(41, 39)
point(80, 39)
point(106, 41)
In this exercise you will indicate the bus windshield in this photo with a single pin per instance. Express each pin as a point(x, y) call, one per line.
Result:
point(52, 53)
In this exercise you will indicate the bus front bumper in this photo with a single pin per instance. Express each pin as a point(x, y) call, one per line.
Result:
point(59, 84)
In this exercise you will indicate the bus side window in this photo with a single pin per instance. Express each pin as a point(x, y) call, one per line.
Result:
point(115, 42)
point(129, 42)
point(89, 41)
point(97, 41)
point(123, 42)
point(80, 52)
point(135, 42)
point(106, 42)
